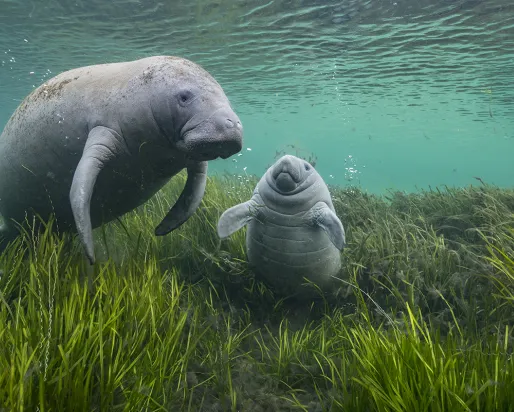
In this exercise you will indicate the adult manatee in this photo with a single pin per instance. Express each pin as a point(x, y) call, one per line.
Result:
point(95, 142)
point(293, 230)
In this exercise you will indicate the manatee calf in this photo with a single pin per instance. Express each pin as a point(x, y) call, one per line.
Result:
point(96, 142)
point(293, 231)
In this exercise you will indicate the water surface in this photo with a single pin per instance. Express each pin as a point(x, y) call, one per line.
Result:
point(386, 94)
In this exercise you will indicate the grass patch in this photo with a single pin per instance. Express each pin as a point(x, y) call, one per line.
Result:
point(420, 319)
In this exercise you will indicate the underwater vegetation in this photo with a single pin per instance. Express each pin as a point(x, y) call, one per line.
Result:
point(422, 319)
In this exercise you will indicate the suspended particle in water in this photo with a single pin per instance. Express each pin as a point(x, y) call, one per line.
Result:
point(351, 171)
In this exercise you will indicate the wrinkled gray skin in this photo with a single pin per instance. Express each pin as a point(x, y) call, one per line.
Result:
point(95, 142)
point(293, 231)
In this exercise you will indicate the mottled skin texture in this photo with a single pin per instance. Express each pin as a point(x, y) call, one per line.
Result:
point(293, 231)
point(95, 142)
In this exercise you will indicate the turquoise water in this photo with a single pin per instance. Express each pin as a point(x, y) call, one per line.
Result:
point(385, 94)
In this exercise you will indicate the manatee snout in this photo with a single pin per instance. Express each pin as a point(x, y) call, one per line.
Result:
point(230, 132)
point(220, 135)
point(287, 173)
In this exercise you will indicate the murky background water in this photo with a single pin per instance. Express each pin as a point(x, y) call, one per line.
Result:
point(402, 94)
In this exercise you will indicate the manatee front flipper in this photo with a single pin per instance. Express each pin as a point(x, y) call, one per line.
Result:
point(237, 217)
point(102, 146)
point(321, 215)
point(188, 201)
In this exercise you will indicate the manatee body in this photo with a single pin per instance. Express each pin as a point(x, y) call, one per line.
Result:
point(93, 143)
point(293, 231)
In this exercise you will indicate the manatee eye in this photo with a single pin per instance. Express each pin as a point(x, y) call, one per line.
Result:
point(185, 97)
point(306, 166)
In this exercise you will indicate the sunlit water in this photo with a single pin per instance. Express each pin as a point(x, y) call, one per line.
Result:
point(400, 94)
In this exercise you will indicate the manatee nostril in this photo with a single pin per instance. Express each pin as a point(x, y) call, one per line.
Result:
point(229, 123)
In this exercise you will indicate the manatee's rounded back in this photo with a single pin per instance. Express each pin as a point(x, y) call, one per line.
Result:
point(43, 141)
point(282, 243)
point(40, 147)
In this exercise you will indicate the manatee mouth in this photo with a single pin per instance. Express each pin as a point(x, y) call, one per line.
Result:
point(208, 150)
point(285, 182)
point(289, 174)
point(219, 136)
